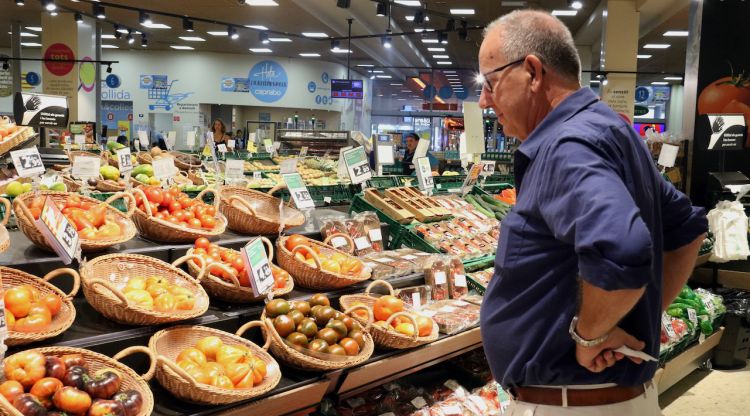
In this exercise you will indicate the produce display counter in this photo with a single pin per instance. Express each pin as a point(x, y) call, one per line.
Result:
point(691, 359)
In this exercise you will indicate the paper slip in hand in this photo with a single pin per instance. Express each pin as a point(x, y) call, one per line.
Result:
point(635, 354)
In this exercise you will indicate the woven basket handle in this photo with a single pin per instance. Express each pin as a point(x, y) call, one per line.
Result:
point(236, 198)
point(136, 349)
point(346, 237)
point(369, 314)
point(253, 324)
point(212, 191)
point(146, 204)
point(130, 201)
point(408, 315)
point(207, 275)
point(269, 247)
point(166, 362)
point(379, 283)
point(70, 272)
point(278, 187)
point(19, 202)
point(6, 204)
point(191, 256)
point(309, 250)
point(118, 294)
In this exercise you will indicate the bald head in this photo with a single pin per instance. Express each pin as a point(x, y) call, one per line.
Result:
point(533, 32)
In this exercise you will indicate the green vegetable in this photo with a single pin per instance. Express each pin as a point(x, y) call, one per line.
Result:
point(470, 199)
point(675, 312)
point(707, 328)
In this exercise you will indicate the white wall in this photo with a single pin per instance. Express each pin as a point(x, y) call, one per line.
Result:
point(674, 120)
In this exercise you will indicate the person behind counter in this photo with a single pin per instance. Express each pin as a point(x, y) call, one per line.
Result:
point(411, 147)
point(219, 131)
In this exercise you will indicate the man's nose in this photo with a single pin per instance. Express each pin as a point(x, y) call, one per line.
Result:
point(485, 99)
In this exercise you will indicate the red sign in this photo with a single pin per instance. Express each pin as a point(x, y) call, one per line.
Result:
point(59, 52)
point(110, 116)
point(176, 118)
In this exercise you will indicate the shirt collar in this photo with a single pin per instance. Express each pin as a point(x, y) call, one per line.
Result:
point(569, 107)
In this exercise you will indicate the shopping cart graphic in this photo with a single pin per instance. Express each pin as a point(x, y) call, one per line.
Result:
point(163, 97)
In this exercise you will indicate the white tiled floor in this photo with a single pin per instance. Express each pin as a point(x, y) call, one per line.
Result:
point(709, 393)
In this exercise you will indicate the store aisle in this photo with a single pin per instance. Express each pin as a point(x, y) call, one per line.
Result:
point(720, 393)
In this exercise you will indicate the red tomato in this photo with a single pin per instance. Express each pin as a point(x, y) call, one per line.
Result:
point(168, 198)
point(238, 263)
point(211, 210)
point(208, 221)
point(154, 194)
point(173, 220)
point(188, 214)
point(202, 243)
point(174, 206)
point(175, 191)
point(194, 223)
point(160, 215)
point(294, 240)
point(723, 91)
point(180, 215)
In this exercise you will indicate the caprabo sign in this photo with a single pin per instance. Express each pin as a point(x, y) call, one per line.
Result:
point(268, 81)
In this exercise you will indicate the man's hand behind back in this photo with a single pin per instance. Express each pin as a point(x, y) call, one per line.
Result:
point(597, 359)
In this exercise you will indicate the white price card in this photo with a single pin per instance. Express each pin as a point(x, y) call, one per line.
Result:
point(258, 267)
point(28, 162)
point(488, 168)
point(338, 241)
point(362, 243)
point(424, 174)
point(440, 278)
point(692, 316)
point(257, 175)
point(416, 300)
point(423, 145)
point(288, 166)
point(235, 169)
point(143, 139)
point(376, 234)
point(124, 159)
point(231, 143)
point(303, 151)
point(268, 145)
point(472, 177)
point(357, 165)
point(666, 322)
point(222, 147)
point(459, 280)
point(86, 167)
point(80, 140)
point(298, 190)
point(668, 155)
point(190, 139)
point(164, 168)
point(171, 139)
point(60, 234)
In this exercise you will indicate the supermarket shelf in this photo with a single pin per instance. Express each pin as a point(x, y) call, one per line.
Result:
point(702, 259)
point(682, 365)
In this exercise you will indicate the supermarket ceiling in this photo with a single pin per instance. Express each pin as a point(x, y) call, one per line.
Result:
point(284, 24)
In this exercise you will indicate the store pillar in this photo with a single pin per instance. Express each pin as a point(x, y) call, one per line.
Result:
point(64, 39)
point(619, 50)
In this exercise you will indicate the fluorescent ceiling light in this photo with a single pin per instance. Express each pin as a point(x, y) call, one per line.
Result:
point(440, 56)
point(309, 55)
point(656, 46)
point(660, 83)
point(260, 50)
point(462, 11)
point(341, 51)
point(676, 33)
point(259, 27)
point(411, 18)
point(436, 49)
point(157, 26)
point(400, 99)
point(594, 81)
point(423, 29)
point(396, 84)
point(444, 63)
point(108, 36)
point(261, 3)
point(408, 2)
point(123, 30)
point(218, 33)
point(429, 41)
point(673, 78)
point(314, 35)
point(383, 76)
point(513, 3)
point(31, 44)
point(34, 28)
point(643, 56)
point(192, 38)
point(405, 90)
point(110, 46)
point(564, 12)
point(279, 39)
point(365, 65)
point(182, 47)
point(449, 71)
point(377, 71)
point(26, 35)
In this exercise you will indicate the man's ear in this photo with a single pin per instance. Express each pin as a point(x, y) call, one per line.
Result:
point(535, 69)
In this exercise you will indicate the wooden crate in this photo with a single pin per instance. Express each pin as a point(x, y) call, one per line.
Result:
point(416, 204)
point(388, 206)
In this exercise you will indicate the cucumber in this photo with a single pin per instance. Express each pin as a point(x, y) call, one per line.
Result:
point(471, 200)
point(492, 201)
point(499, 216)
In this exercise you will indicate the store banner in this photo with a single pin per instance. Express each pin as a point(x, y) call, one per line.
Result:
point(727, 131)
point(620, 94)
point(59, 43)
point(40, 110)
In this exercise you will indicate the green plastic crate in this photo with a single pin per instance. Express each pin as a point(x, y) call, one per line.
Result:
point(498, 156)
point(382, 182)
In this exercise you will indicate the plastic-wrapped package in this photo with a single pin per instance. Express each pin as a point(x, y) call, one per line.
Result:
point(356, 230)
point(416, 296)
point(333, 225)
point(436, 276)
point(382, 271)
point(419, 258)
point(457, 279)
point(729, 223)
point(403, 267)
point(452, 316)
point(372, 227)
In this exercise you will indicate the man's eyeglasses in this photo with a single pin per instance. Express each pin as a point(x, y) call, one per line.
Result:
point(487, 85)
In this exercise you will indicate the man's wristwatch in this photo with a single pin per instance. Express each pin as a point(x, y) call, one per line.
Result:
point(581, 341)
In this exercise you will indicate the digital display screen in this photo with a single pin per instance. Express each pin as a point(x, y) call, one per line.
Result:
point(384, 138)
point(346, 88)
point(642, 127)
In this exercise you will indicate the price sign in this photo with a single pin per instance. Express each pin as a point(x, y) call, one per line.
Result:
point(190, 139)
point(143, 139)
point(424, 174)
point(268, 144)
point(472, 177)
point(288, 166)
point(666, 322)
point(86, 167)
point(423, 145)
point(257, 267)
point(230, 143)
point(488, 169)
point(692, 316)
point(60, 234)
point(80, 140)
point(668, 155)
point(251, 148)
point(164, 168)
point(235, 169)
point(28, 162)
point(298, 190)
point(303, 151)
point(171, 139)
point(257, 175)
point(357, 165)
point(124, 159)
point(222, 147)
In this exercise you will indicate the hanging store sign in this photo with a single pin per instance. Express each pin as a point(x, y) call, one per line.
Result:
point(40, 110)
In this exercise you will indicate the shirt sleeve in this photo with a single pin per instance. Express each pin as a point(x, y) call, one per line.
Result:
point(682, 222)
point(588, 206)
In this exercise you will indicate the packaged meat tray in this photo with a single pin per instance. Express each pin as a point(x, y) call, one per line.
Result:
point(452, 316)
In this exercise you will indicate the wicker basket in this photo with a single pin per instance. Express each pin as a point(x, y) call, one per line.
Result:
point(109, 186)
point(103, 275)
point(313, 277)
point(386, 337)
point(252, 212)
point(60, 322)
point(71, 184)
point(27, 224)
point(349, 242)
point(232, 291)
point(195, 178)
point(168, 343)
point(300, 360)
point(181, 165)
point(144, 158)
point(162, 230)
point(130, 380)
point(18, 138)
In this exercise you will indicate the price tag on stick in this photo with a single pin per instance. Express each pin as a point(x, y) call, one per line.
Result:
point(257, 175)
point(258, 267)
point(298, 190)
point(28, 162)
point(235, 169)
point(143, 139)
point(86, 167)
point(471, 177)
point(190, 139)
point(80, 140)
point(171, 140)
point(488, 169)
point(164, 168)
point(303, 151)
point(124, 160)
point(60, 234)
point(357, 165)
point(268, 144)
point(288, 166)
point(424, 174)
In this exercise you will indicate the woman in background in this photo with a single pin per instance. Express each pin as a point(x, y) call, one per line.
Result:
point(219, 130)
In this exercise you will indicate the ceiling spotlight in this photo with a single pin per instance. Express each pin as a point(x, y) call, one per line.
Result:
point(386, 40)
point(344, 4)
point(450, 25)
point(187, 25)
point(20, 3)
point(381, 9)
point(442, 37)
point(335, 45)
point(575, 4)
point(232, 32)
point(263, 36)
point(78, 18)
point(109, 68)
point(419, 17)
point(49, 5)
point(145, 19)
point(144, 41)
point(99, 11)
point(53, 13)
point(130, 38)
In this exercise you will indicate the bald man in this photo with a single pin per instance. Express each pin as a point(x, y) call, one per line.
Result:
point(596, 246)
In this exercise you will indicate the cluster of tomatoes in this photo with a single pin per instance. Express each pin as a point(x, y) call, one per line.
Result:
point(215, 363)
point(26, 310)
point(388, 305)
point(177, 207)
point(54, 386)
point(211, 255)
point(330, 260)
point(314, 325)
point(156, 293)
point(90, 219)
